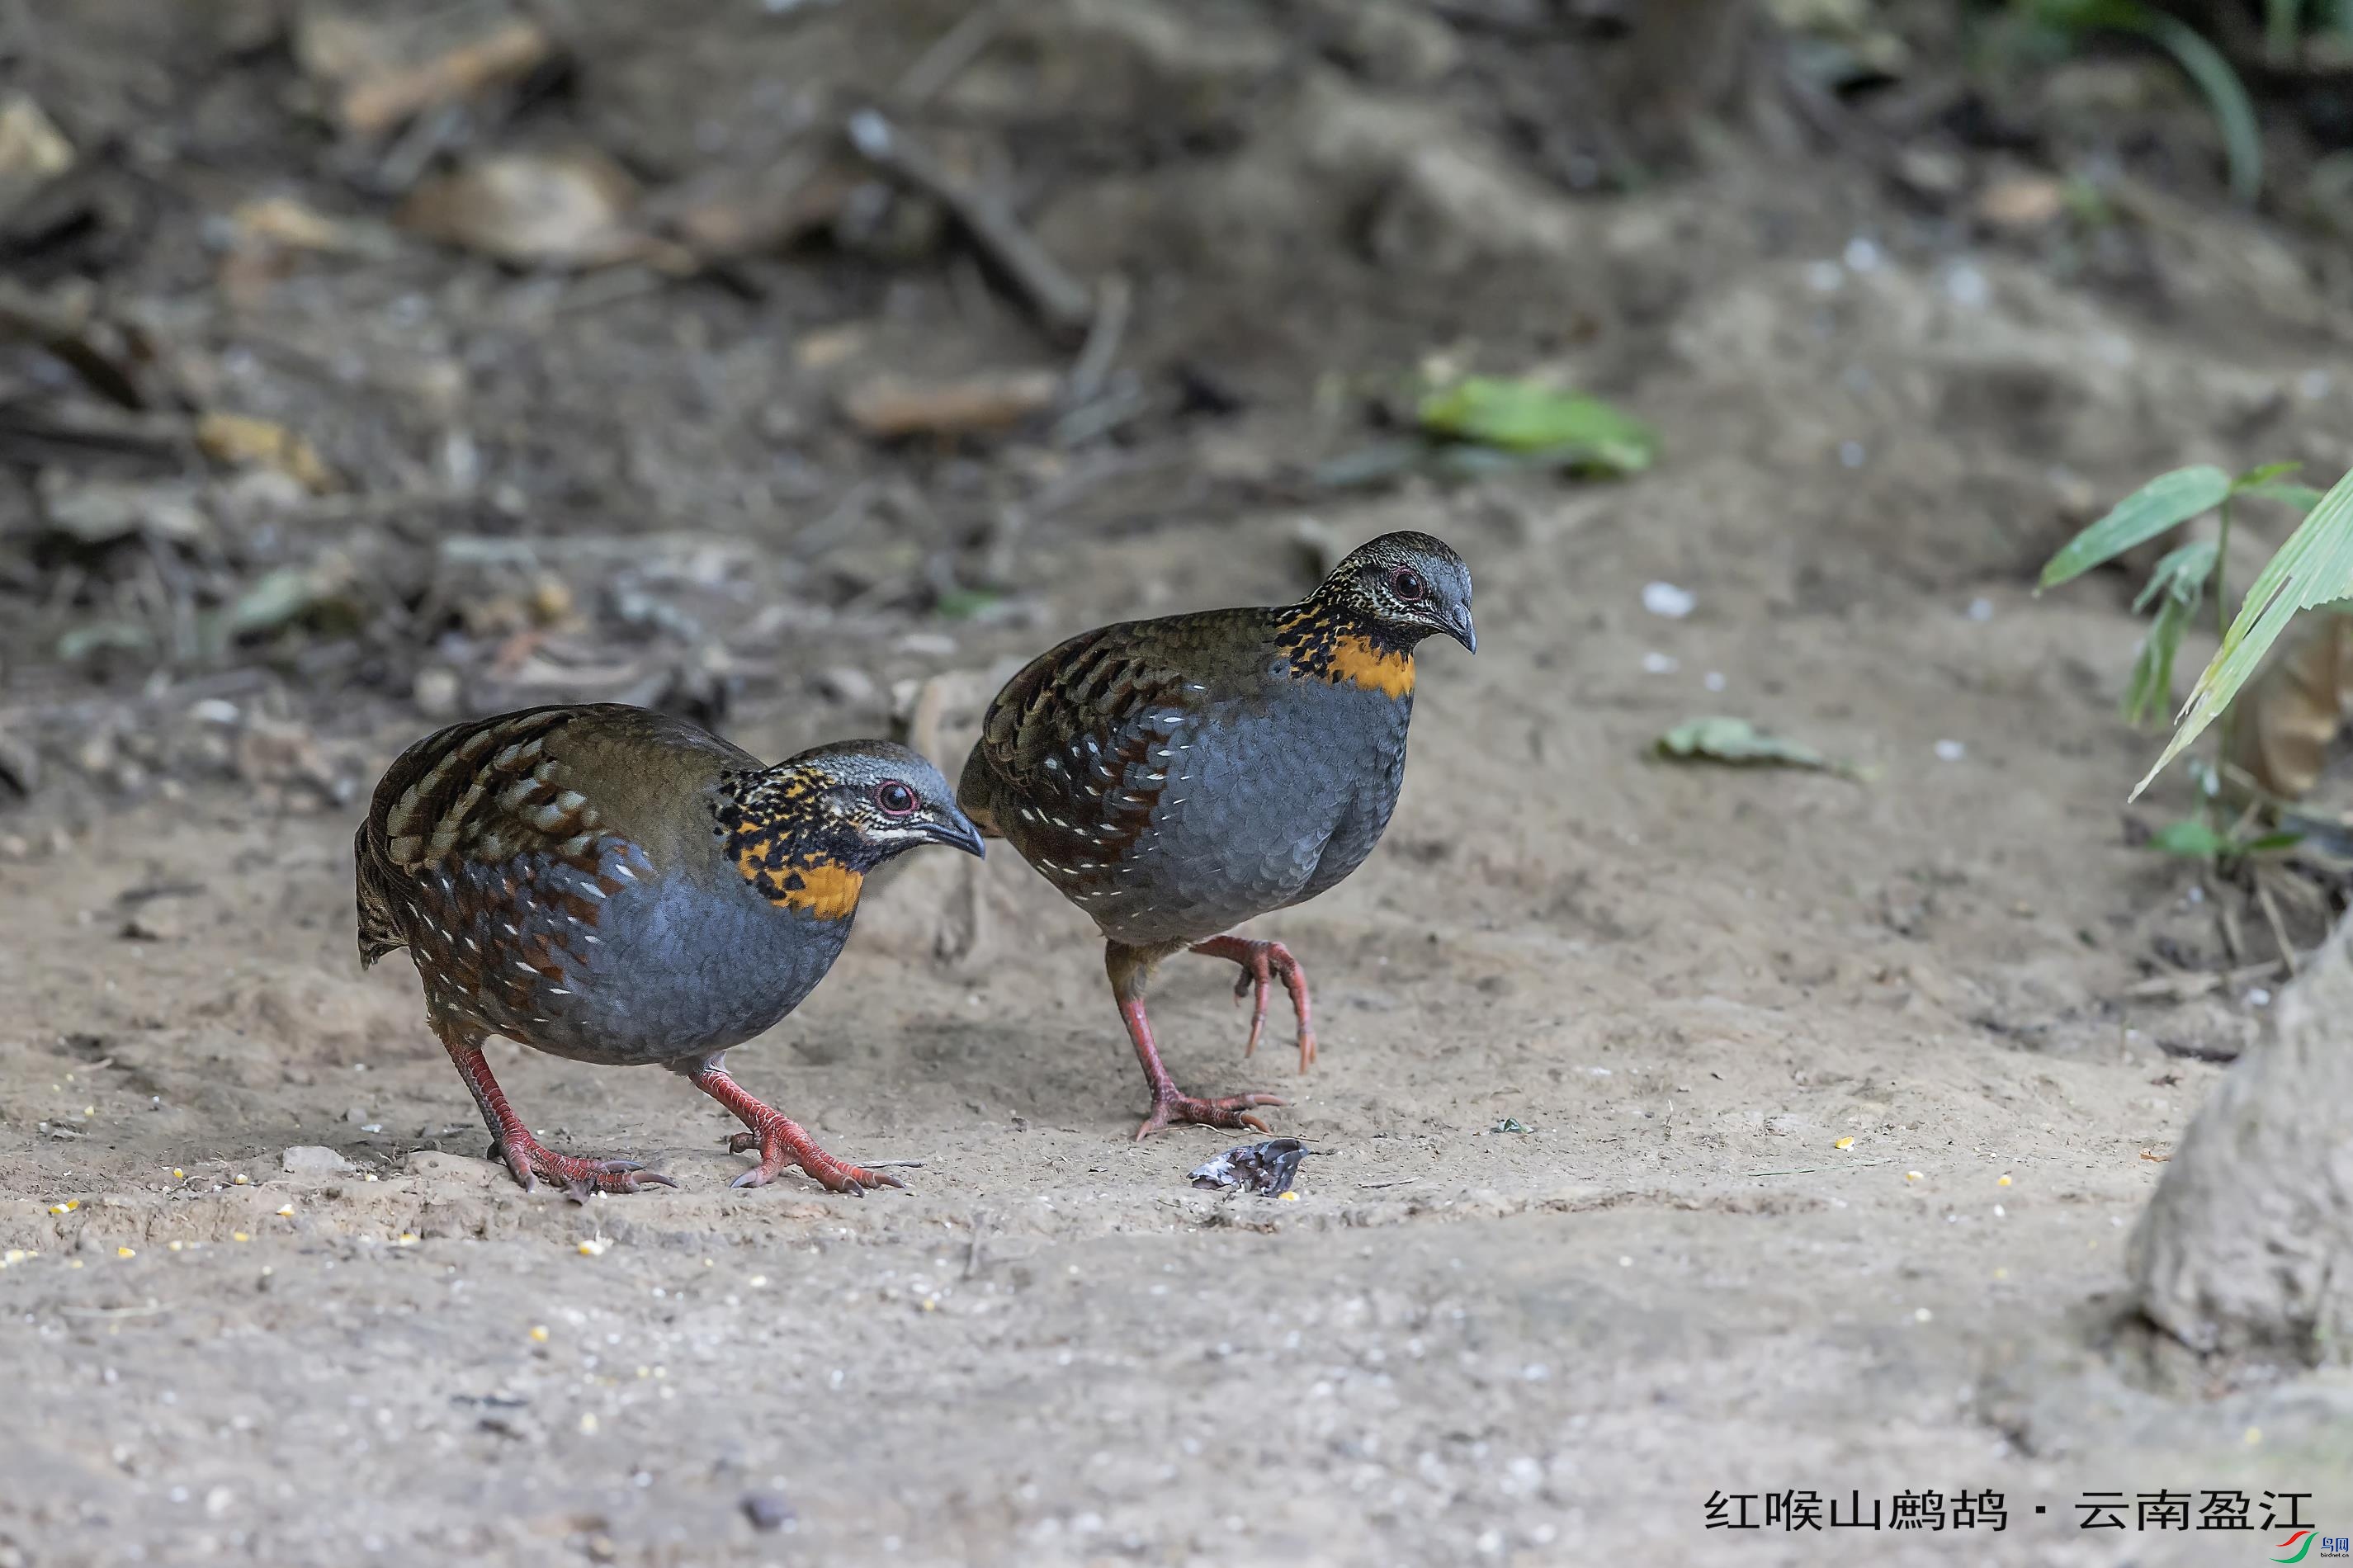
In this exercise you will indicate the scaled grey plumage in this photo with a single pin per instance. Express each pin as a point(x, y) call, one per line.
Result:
point(1176, 777)
point(609, 885)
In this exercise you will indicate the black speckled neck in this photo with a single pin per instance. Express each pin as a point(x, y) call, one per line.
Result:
point(780, 834)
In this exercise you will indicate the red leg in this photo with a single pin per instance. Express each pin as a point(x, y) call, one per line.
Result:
point(1128, 967)
point(1261, 962)
point(781, 1140)
point(525, 1155)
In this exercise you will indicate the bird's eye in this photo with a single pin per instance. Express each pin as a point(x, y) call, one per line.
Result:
point(1406, 585)
point(895, 798)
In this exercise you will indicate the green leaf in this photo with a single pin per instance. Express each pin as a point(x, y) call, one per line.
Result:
point(2264, 475)
point(1567, 428)
point(2181, 574)
point(963, 603)
point(2178, 583)
point(275, 599)
point(2272, 842)
point(2164, 501)
point(2280, 18)
point(2302, 498)
point(2226, 96)
point(2313, 568)
point(1721, 739)
point(2189, 839)
point(115, 637)
point(2234, 113)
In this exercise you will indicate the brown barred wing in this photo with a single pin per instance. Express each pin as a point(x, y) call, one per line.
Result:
point(493, 871)
point(485, 790)
point(1075, 753)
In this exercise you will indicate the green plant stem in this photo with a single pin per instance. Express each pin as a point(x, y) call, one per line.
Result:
point(2213, 804)
point(2280, 27)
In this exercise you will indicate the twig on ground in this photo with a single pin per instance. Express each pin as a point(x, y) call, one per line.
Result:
point(980, 1222)
point(1062, 301)
point(1809, 1169)
point(946, 58)
point(1114, 300)
point(2182, 987)
point(2279, 927)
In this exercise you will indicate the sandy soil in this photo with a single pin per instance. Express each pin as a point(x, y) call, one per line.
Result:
point(1460, 1344)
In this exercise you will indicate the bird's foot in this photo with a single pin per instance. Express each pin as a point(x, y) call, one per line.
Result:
point(782, 1145)
point(578, 1175)
point(1262, 963)
point(1170, 1107)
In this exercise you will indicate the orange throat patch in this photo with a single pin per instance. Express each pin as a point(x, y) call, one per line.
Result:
point(822, 889)
point(826, 890)
point(1356, 660)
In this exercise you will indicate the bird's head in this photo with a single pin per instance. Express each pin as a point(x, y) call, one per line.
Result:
point(1405, 586)
point(869, 800)
point(805, 831)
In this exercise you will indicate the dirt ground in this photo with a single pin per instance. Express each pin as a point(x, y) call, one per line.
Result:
point(1683, 987)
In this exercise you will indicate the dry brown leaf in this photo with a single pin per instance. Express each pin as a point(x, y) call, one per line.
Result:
point(829, 346)
point(540, 209)
point(242, 441)
point(283, 221)
point(2285, 720)
point(383, 69)
point(890, 406)
point(2021, 203)
point(732, 213)
point(33, 150)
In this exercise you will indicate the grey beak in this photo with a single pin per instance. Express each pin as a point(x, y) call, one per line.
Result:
point(957, 834)
point(1460, 628)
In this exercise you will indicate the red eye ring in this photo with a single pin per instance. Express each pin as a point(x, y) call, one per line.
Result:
point(892, 797)
point(1407, 584)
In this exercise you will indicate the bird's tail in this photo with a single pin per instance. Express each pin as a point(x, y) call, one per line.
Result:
point(379, 933)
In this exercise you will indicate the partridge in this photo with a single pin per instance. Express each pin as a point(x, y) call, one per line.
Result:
point(609, 885)
point(1176, 777)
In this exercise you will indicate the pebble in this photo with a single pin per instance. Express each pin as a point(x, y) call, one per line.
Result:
point(315, 1160)
point(1666, 599)
point(435, 692)
point(768, 1510)
point(846, 684)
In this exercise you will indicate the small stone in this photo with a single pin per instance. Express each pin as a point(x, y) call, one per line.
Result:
point(1666, 599)
point(1932, 171)
point(435, 692)
point(768, 1510)
point(96, 754)
point(147, 927)
point(551, 602)
point(313, 1159)
point(846, 684)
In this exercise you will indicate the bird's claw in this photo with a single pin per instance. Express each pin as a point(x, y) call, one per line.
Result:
point(835, 1175)
point(1262, 963)
point(1232, 1111)
point(580, 1177)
